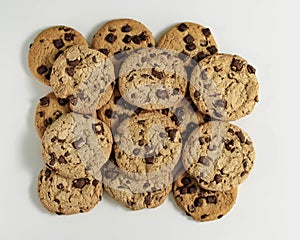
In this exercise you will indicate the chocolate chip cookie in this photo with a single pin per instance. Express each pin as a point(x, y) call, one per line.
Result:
point(48, 110)
point(147, 144)
point(202, 205)
point(224, 86)
point(46, 48)
point(219, 155)
point(66, 196)
point(84, 76)
point(76, 146)
point(152, 79)
point(135, 194)
point(193, 41)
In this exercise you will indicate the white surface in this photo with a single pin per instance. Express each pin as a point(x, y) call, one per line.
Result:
point(265, 32)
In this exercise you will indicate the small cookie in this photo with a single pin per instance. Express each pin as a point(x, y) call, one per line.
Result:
point(219, 155)
point(66, 196)
point(152, 79)
point(84, 76)
point(135, 194)
point(224, 86)
point(46, 48)
point(147, 144)
point(120, 35)
point(202, 205)
point(192, 40)
point(48, 110)
point(76, 146)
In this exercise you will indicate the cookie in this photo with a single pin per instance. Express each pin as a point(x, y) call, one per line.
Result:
point(193, 41)
point(148, 144)
point(135, 194)
point(65, 196)
point(152, 79)
point(202, 205)
point(76, 146)
point(48, 110)
point(84, 76)
point(118, 36)
point(224, 86)
point(46, 48)
point(219, 155)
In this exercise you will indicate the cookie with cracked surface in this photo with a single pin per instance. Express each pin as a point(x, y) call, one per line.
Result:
point(84, 76)
point(219, 155)
point(65, 196)
point(116, 37)
point(192, 40)
point(202, 205)
point(135, 194)
point(48, 110)
point(224, 86)
point(76, 146)
point(46, 48)
point(153, 79)
point(147, 144)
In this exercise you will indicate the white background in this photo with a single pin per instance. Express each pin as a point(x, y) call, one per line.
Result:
point(266, 32)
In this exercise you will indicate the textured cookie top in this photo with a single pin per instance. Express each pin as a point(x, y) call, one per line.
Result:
point(148, 144)
point(120, 35)
point(48, 110)
point(224, 86)
point(152, 79)
point(62, 195)
point(46, 48)
point(202, 205)
point(219, 155)
point(191, 39)
point(76, 146)
point(83, 75)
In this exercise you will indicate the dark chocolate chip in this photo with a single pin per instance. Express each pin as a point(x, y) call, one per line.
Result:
point(126, 28)
point(60, 186)
point(220, 216)
point(163, 94)
point(149, 160)
point(108, 113)
point(251, 69)
point(197, 94)
point(200, 56)
point(111, 38)
point(136, 39)
point(141, 142)
point(218, 178)
point(48, 122)
point(105, 51)
point(127, 39)
point(241, 136)
point(62, 101)
point(204, 75)
point(217, 69)
point(150, 45)
point(163, 135)
point(175, 119)
point(204, 216)
point(182, 27)
point(95, 182)
point(143, 36)
point(70, 71)
point(44, 101)
point(206, 32)
point(78, 144)
point(198, 202)
point(73, 100)
point(58, 43)
point(186, 181)
point(73, 63)
point(211, 199)
point(47, 76)
point(192, 189)
point(212, 49)
point(248, 142)
point(190, 46)
point(62, 159)
point(136, 151)
point(148, 199)
point(183, 190)
point(69, 37)
point(42, 69)
point(172, 134)
point(188, 39)
point(221, 103)
point(157, 74)
point(207, 118)
point(80, 183)
point(204, 161)
point(41, 114)
point(146, 185)
point(236, 65)
point(47, 173)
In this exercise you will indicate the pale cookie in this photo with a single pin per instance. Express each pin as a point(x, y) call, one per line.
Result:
point(224, 86)
point(76, 146)
point(219, 155)
point(152, 79)
point(147, 144)
point(48, 110)
point(46, 48)
point(192, 40)
point(84, 76)
point(202, 205)
point(65, 196)
point(135, 194)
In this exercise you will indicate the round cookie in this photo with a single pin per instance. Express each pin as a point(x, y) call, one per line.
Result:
point(76, 146)
point(202, 205)
point(147, 144)
point(219, 155)
point(84, 76)
point(152, 79)
point(224, 86)
point(192, 40)
point(46, 48)
point(65, 196)
point(135, 194)
point(48, 110)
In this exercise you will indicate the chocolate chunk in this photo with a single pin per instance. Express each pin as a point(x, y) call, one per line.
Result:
point(126, 28)
point(58, 43)
point(73, 100)
point(251, 69)
point(110, 174)
point(212, 49)
point(197, 94)
point(69, 36)
point(62, 159)
point(256, 99)
point(80, 183)
point(73, 63)
point(206, 32)
point(236, 65)
point(220, 216)
point(111, 38)
point(59, 213)
point(200, 56)
point(192, 189)
point(105, 51)
point(228, 144)
point(165, 111)
point(47, 173)
point(175, 119)
point(241, 136)
point(204, 75)
point(204, 43)
point(183, 56)
point(42, 69)
point(146, 185)
point(217, 69)
point(44, 101)
point(190, 46)
point(182, 27)
point(157, 74)
point(183, 190)
point(175, 91)
point(48, 122)
point(136, 151)
point(143, 36)
point(148, 199)
point(94, 58)
point(150, 45)
point(136, 39)
point(163, 135)
point(95, 182)
point(111, 29)
point(149, 160)
point(141, 142)
point(188, 39)
point(53, 139)
point(218, 178)
point(198, 202)
point(41, 114)
point(163, 94)
point(207, 118)
point(127, 39)
point(172, 134)
point(186, 181)
point(211, 199)
point(62, 101)
point(70, 71)
point(248, 142)
point(204, 216)
point(108, 113)
point(60, 186)
point(221, 103)
point(204, 161)
point(47, 76)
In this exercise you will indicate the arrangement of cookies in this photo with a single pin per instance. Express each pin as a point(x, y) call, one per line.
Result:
point(139, 119)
